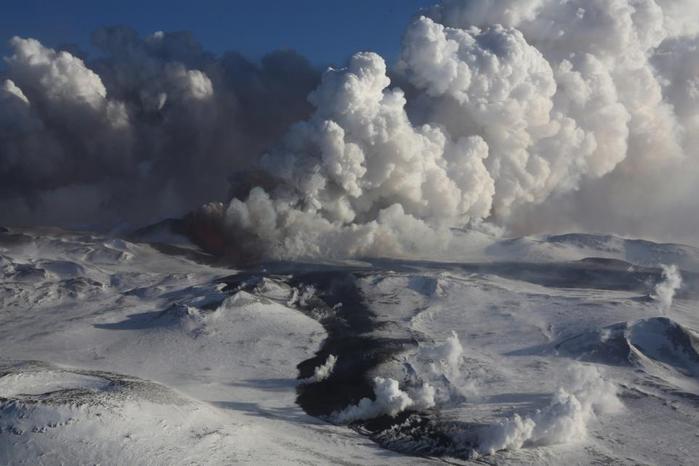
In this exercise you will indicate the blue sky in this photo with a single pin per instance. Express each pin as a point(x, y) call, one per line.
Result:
point(326, 31)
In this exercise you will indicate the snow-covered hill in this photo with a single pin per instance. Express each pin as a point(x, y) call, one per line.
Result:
point(569, 349)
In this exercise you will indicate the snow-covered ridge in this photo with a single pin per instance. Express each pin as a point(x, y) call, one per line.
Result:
point(577, 246)
point(656, 341)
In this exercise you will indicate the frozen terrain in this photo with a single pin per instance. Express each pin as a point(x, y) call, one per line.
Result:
point(572, 349)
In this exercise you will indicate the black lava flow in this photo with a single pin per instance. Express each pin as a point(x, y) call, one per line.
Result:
point(338, 303)
point(349, 323)
point(340, 307)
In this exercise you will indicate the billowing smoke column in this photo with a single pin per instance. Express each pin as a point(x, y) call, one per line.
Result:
point(515, 110)
point(534, 115)
point(358, 178)
point(152, 128)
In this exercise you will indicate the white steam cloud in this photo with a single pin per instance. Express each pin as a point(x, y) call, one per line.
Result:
point(564, 420)
point(533, 115)
point(389, 400)
point(438, 364)
point(323, 371)
point(665, 290)
point(509, 105)
point(445, 357)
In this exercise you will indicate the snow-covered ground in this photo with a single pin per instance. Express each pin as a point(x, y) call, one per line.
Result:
point(116, 352)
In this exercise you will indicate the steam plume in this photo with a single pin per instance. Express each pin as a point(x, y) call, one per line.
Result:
point(666, 289)
point(152, 128)
point(323, 371)
point(389, 400)
point(535, 115)
point(564, 420)
point(514, 110)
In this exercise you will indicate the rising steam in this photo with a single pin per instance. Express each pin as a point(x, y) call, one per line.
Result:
point(665, 290)
point(389, 400)
point(532, 115)
point(564, 420)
